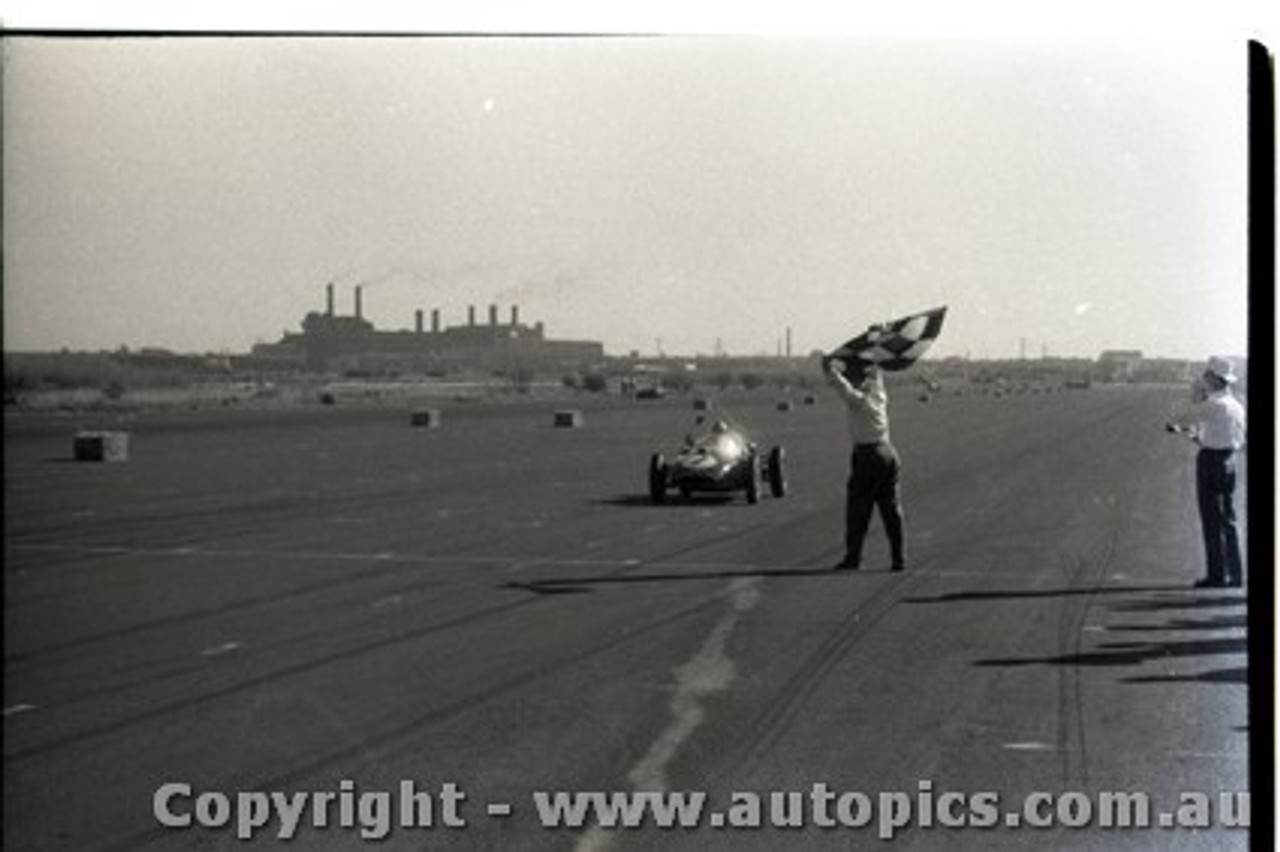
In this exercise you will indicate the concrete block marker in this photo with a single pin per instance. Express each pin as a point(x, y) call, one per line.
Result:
point(785, 405)
point(101, 446)
point(428, 418)
point(568, 419)
point(700, 404)
point(810, 399)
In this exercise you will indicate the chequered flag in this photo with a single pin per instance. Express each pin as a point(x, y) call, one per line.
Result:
point(895, 345)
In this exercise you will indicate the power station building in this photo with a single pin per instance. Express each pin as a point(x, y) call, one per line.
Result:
point(330, 342)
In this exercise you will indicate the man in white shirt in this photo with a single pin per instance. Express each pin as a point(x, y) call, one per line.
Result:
point(874, 466)
point(1216, 422)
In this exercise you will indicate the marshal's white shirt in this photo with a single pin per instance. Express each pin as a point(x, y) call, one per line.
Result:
point(1216, 423)
point(867, 406)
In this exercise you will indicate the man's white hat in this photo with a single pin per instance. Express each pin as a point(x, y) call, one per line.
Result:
point(1222, 368)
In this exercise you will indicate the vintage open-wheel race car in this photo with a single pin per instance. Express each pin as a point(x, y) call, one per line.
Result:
point(720, 459)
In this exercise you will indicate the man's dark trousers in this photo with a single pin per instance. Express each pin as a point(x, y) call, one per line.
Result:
point(873, 482)
point(1215, 490)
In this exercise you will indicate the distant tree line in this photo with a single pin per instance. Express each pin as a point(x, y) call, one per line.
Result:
point(115, 373)
point(112, 373)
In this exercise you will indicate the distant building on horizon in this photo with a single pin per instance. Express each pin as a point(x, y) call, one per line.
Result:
point(1119, 364)
point(330, 341)
point(1131, 365)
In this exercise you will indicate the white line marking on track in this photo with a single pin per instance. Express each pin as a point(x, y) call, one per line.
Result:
point(1178, 754)
point(219, 650)
point(534, 524)
point(112, 550)
point(523, 564)
point(18, 708)
point(407, 558)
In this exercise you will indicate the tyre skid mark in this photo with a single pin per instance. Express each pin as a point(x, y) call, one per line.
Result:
point(707, 672)
point(370, 748)
point(302, 667)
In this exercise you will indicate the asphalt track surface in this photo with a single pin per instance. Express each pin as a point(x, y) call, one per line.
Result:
point(278, 601)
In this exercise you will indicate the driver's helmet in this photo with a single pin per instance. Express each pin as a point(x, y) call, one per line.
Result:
point(719, 427)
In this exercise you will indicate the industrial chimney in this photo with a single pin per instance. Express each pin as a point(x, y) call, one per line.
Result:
point(471, 314)
point(359, 305)
point(435, 321)
point(515, 315)
point(329, 290)
point(417, 321)
point(493, 316)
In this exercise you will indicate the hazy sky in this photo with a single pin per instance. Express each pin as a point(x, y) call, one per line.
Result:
point(198, 193)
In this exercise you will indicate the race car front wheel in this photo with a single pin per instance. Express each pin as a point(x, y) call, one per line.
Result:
point(657, 478)
point(753, 480)
point(777, 472)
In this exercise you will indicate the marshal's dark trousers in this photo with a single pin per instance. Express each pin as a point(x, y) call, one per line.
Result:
point(873, 483)
point(1215, 491)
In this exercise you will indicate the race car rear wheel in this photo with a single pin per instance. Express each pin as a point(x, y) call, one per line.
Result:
point(777, 472)
point(657, 478)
